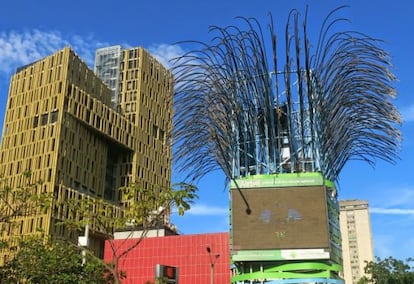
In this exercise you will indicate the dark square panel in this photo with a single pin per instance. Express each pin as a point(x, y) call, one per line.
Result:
point(281, 218)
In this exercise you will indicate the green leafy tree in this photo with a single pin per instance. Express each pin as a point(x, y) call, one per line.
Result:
point(140, 210)
point(39, 261)
point(23, 200)
point(388, 271)
point(19, 202)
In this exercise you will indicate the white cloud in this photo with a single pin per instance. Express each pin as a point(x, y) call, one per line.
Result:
point(206, 210)
point(391, 211)
point(20, 48)
point(407, 113)
point(165, 52)
point(393, 197)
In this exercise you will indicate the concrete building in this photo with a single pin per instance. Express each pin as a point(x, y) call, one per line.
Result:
point(356, 238)
point(61, 125)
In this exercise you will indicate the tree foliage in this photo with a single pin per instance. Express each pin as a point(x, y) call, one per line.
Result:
point(140, 210)
point(22, 201)
point(18, 202)
point(389, 271)
point(39, 261)
point(45, 261)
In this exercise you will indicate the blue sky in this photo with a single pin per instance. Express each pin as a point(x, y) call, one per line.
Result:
point(30, 30)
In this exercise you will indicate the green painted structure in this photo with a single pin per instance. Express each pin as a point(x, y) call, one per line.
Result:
point(285, 229)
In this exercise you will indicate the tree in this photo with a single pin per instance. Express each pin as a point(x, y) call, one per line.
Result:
point(39, 261)
point(23, 200)
point(19, 202)
point(388, 271)
point(140, 210)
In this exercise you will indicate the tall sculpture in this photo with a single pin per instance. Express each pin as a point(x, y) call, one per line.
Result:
point(257, 105)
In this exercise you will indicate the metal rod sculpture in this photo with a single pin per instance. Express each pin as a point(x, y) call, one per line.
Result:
point(303, 109)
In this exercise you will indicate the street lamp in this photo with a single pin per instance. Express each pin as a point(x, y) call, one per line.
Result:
point(213, 260)
point(83, 241)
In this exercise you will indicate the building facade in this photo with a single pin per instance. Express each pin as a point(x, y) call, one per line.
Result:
point(276, 233)
point(61, 125)
point(356, 238)
point(107, 68)
point(199, 259)
point(189, 253)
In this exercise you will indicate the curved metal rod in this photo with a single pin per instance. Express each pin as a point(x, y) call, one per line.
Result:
point(321, 109)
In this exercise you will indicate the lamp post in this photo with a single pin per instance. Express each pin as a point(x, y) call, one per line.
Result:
point(83, 241)
point(213, 260)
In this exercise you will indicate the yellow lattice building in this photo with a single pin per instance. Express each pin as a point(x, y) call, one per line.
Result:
point(61, 125)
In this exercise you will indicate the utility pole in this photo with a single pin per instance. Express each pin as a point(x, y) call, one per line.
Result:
point(212, 262)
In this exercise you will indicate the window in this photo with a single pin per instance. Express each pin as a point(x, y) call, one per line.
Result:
point(44, 119)
point(35, 121)
point(154, 131)
point(161, 135)
point(53, 116)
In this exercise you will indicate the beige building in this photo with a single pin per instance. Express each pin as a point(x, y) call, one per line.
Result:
point(356, 238)
point(63, 125)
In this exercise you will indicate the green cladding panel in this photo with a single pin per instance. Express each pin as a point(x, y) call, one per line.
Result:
point(281, 180)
